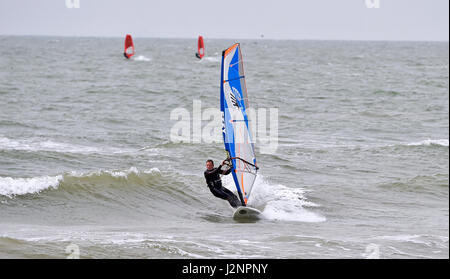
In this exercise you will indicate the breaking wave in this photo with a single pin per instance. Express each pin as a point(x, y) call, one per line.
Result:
point(278, 202)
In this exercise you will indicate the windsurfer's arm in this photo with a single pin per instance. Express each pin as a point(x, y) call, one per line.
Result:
point(219, 169)
point(225, 172)
point(214, 171)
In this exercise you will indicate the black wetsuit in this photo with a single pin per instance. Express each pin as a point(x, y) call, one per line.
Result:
point(215, 185)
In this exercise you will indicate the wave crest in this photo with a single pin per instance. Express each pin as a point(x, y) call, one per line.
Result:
point(429, 142)
point(10, 186)
point(20, 186)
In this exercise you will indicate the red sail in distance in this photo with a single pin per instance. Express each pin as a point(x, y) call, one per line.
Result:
point(129, 47)
point(201, 47)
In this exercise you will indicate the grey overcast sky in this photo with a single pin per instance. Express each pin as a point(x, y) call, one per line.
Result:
point(234, 19)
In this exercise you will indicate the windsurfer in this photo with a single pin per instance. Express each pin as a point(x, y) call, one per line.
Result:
point(201, 48)
point(129, 47)
point(212, 176)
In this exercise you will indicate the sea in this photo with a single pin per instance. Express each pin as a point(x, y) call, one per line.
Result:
point(90, 167)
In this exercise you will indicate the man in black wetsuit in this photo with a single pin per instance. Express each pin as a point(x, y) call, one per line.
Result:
point(214, 182)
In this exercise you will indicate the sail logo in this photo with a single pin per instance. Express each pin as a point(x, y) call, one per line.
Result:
point(71, 4)
point(233, 98)
point(223, 123)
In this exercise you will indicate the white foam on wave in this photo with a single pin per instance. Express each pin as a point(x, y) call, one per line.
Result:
point(115, 173)
point(153, 171)
point(36, 145)
point(141, 58)
point(318, 144)
point(416, 239)
point(10, 186)
point(131, 170)
point(124, 174)
point(20, 186)
point(428, 142)
point(212, 58)
point(278, 201)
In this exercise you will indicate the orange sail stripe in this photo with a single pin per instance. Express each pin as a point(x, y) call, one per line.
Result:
point(242, 183)
point(230, 48)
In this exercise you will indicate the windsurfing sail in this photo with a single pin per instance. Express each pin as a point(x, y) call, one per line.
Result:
point(201, 48)
point(129, 47)
point(236, 123)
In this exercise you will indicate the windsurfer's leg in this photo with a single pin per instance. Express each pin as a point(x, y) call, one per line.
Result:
point(217, 192)
point(232, 199)
point(226, 194)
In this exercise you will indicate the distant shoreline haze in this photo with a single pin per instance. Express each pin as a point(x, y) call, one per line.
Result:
point(360, 20)
point(215, 38)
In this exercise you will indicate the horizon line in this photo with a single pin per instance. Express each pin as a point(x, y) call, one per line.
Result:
point(217, 38)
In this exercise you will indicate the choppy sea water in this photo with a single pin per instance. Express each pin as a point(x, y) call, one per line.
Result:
point(361, 168)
